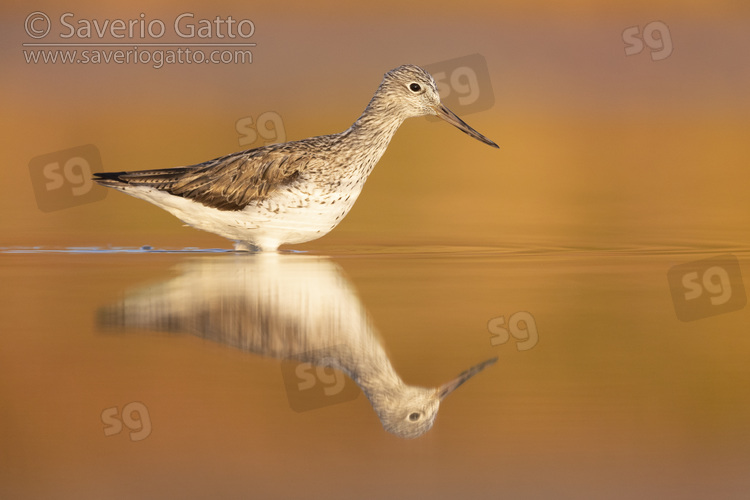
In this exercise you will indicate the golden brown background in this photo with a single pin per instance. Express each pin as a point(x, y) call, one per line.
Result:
point(611, 170)
point(598, 149)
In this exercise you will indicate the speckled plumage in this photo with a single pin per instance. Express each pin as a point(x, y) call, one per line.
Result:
point(291, 192)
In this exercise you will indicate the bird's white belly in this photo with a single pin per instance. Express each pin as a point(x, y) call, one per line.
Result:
point(288, 216)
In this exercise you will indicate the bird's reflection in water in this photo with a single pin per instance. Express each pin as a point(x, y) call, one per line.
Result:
point(293, 307)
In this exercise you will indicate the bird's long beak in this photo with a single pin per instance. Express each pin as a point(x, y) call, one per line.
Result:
point(454, 384)
point(449, 116)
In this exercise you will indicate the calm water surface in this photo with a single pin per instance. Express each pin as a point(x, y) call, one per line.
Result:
point(150, 374)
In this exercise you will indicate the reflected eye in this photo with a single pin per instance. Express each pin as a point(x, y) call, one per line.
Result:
point(414, 88)
point(414, 416)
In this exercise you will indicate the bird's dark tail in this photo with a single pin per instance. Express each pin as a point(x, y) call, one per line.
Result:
point(159, 179)
point(110, 179)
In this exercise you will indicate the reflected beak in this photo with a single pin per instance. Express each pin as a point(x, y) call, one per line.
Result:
point(449, 116)
point(454, 384)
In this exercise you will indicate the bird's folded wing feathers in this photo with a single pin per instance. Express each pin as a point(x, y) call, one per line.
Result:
point(227, 183)
point(232, 182)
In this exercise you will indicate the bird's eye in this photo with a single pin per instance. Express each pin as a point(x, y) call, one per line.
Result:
point(415, 88)
point(414, 416)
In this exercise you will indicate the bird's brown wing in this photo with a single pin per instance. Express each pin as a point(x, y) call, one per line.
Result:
point(227, 183)
point(232, 182)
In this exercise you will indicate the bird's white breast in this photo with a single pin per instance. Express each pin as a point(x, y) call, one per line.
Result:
point(291, 215)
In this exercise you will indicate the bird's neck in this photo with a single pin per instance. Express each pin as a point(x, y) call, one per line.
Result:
point(374, 129)
point(370, 368)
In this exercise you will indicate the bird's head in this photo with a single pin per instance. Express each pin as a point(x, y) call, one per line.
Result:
point(409, 411)
point(412, 91)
